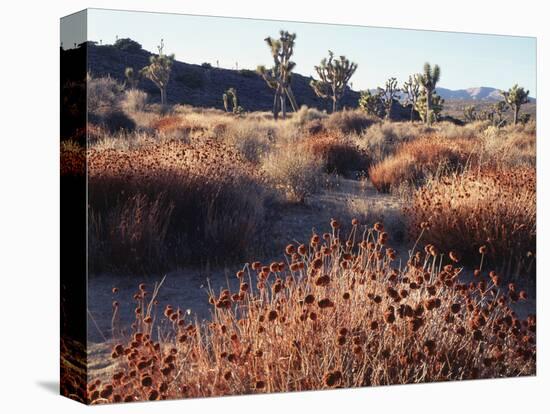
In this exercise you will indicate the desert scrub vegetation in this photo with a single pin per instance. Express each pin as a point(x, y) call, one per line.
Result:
point(349, 121)
point(336, 311)
point(492, 210)
point(163, 204)
point(382, 139)
point(339, 152)
point(296, 174)
point(511, 146)
point(421, 158)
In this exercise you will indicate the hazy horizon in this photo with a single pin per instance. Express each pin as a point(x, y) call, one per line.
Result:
point(466, 60)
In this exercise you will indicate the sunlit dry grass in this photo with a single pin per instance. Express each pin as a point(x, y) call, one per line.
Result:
point(416, 160)
point(167, 203)
point(491, 208)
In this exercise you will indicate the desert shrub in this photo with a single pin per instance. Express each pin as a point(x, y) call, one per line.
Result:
point(325, 315)
point(134, 100)
point(112, 120)
point(314, 127)
point(416, 160)
point(382, 139)
point(177, 127)
point(297, 174)
point(512, 146)
point(103, 94)
point(349, 121)
point(306, 115)
point(191, 195)
point(250, 138)
point(471, 130)
point(340, 154)
point(495, 209)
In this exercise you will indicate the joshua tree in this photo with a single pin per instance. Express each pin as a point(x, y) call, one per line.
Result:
point(158, 70)
point(388, 94)
point(412, 90)
point(497, 112)
point(371, 103)
point(432, 115)
point(514, 98)
point(524, 118)
point(231, 101)
point(132, 77)
point(278, 77)
point(428, 79)
point(335, 75)
point(470, 113)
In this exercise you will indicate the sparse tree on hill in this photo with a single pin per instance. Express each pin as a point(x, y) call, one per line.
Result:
point(372, 103)
point(127, 45)
point(429, 79)
point(388, 94)
point(158, 70)
point(278, 77)
point(411, 88)
point(514, 98)
point(334, 76)
point(132, 78)
point(231, 102)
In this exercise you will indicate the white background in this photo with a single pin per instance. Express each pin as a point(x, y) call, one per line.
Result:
point(29, 207)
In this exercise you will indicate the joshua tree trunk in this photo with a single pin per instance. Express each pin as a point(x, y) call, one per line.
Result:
point(428, 105)
point(291, 98)
point(163, 96)
point(276, 105)
point(516, 114)
point(283, 105)
point(412, 112)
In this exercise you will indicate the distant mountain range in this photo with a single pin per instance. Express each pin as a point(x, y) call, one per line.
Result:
point(482, 93)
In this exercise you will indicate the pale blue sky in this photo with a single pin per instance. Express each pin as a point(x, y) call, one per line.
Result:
point(466, 60)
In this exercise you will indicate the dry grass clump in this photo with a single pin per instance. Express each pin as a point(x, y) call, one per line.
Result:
point(335, 312)
point(471, 130)
point(416, 160)
point(382, 139)
point(164, 204)
point(340, 154)
point(512, 146)
point(495, 209)
point(304, 116)
point(253, 139)
point(349, 121)
point(296, 174)
point(174, 125)
point(134, 100)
